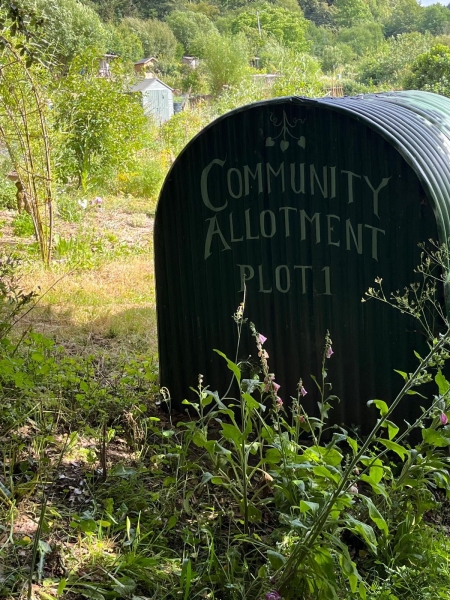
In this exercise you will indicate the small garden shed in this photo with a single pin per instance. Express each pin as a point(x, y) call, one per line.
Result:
point(157, 98)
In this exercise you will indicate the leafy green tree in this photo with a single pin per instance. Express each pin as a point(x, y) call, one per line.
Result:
point(155, 36)
point(405, 17)
point(319, 12)
point(335, 57)
point(435, 19)
point(225, 60)
point(190, 28)
point(144, 9)
point(68, 27)
point(390, 63)
point(263, 19)
point(123, 42)
point(111, 10)
point(362, 38)
point(431, 71)
point(300, 75)
point(100, 125)
point(320, 37)
point(351, 12)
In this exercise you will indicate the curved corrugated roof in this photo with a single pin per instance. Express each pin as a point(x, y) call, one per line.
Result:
point(417, 124)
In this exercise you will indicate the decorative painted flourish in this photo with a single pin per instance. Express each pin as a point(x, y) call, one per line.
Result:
point(286, 130)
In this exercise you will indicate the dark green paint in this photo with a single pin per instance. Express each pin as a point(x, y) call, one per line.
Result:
point(301, 286)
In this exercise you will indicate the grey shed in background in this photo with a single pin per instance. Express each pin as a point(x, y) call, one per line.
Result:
point(157, 98)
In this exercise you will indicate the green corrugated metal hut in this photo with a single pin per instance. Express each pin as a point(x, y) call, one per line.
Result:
point(306, 202)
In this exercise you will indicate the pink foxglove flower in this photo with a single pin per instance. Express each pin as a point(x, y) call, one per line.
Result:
point(301, 419)
point(303, 392)
point(443, 419)
point(275, 386)
point(274, 595)
point(262, 338)
point(263, 354)
point(329, 352)
point(279, 402)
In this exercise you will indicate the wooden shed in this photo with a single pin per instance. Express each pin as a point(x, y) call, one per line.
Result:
point(145, 64)
point(157, 98)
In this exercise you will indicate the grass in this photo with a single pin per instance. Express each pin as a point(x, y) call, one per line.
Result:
point(131, 509)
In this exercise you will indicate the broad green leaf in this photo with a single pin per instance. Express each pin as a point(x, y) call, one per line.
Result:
point(306, 506)
point(124, 586)
point(375, 515)
point(442, 383)
point(362, 590)
point(199, 438)
point(392, 429)
point(331, 456)
point(206, 399)
point(377, 488)
point(250, 402)
point(217, 480)
point(322, 471)
point(399, 450)
point(231, 432)
point(61, 586)
point(276, 559)
point(365, 531)
point(353, 444)
point(376, 470)
point(381, 405)
point(172, 521)
point(438, 438)
point(254, 514)
point(402, 373)
point(231, 365)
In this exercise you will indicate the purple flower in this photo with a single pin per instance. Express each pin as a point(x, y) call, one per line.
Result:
point(444, 419)
point(274, 595)
point(279, 402)
point(303, 392)
point(275, 386)
point(262, 338)
point(329, 352)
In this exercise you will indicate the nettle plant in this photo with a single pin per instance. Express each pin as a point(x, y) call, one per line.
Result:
point(330, 495)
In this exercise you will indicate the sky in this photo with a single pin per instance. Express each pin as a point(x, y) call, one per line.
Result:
point(428, 2)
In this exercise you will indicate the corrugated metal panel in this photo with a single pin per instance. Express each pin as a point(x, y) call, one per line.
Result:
point(313, 237)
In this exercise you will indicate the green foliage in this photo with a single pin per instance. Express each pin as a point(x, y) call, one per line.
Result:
point(123, 42)
point(180, 129)
point(435, 20)
point(389, 64)
point(101, 126)
point(319, 12)
point(155, 36)
point(300, 75)
point(190, 28)
point(264, 20)
point(7, 193)
point(351, 12)
point(335, 57)
point(362, 38)
point(225, 61)
point(23, 225)
point(68, 27)
point(431, 71)
point(146, 177)
point(405, 17)
point(25, 132)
